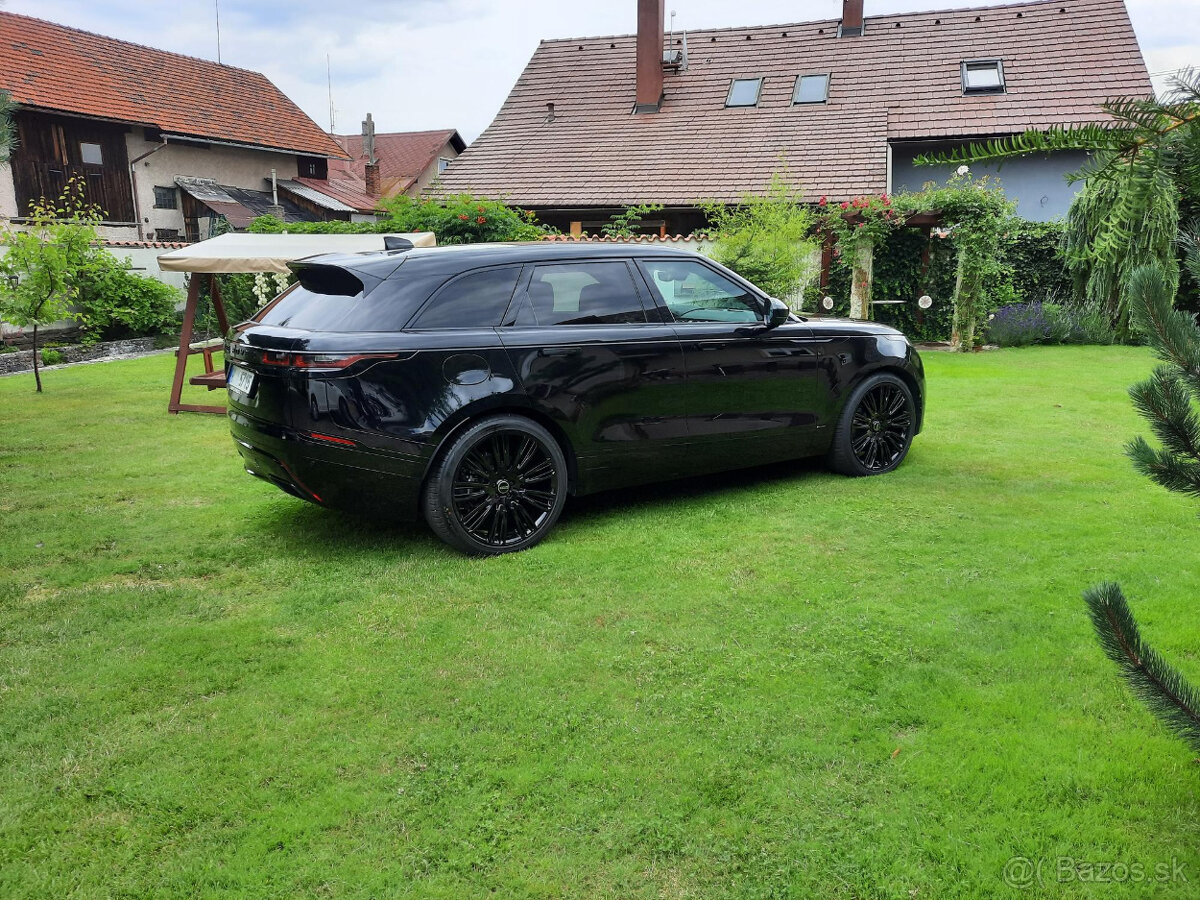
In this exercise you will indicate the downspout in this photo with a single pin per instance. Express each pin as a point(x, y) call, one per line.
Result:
point(137, 211)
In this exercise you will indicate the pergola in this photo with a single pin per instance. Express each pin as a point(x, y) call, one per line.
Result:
point(236, 253)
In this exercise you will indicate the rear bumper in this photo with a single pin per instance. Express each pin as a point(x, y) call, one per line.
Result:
point(336, 476)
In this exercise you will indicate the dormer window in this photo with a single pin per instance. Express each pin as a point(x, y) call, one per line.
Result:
point(744, 92)
point(983, 76)
point(811, 89)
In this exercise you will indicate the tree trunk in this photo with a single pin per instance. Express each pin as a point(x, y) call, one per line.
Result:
point(37, 376)
point(860, 280)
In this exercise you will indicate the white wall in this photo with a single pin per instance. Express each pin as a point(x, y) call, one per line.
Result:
point(429, 176)
point(8, 193)
point(249, 169)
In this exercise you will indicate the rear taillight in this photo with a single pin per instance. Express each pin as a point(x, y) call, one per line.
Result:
point(330, 362)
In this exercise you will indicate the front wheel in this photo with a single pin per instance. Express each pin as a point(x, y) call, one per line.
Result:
point(499, 488)
point(875, 429)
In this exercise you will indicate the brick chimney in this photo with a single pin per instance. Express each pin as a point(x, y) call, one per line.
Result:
point(852, 18)
point(650, 55)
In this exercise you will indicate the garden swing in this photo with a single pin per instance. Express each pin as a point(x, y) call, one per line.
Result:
point(234, 253)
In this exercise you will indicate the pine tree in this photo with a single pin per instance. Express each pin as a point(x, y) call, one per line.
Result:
point(1167, 400)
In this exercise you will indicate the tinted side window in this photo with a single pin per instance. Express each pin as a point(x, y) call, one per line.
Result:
point(475, 300)
point(695, 293)
point(387, 308)
point(585, 293)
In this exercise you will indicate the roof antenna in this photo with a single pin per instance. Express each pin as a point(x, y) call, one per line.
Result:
point(217, 10)
point(329, 83)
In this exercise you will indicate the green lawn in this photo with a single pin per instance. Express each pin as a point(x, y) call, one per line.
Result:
point(770, 685)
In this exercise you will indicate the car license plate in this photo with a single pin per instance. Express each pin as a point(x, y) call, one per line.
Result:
point(240, 380)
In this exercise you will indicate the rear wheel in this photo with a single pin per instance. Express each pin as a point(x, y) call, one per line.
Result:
point(875, 429)
point(499, 488)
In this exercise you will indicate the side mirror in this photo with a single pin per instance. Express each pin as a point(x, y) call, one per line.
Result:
point(778, 313)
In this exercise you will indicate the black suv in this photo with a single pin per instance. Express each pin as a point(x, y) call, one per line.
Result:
point(481, 385)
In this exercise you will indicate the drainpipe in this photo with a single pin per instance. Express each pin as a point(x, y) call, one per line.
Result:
point(137, 211)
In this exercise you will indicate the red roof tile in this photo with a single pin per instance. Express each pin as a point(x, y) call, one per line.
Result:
point(403, 157)
point(899, 81)
point(53, 67)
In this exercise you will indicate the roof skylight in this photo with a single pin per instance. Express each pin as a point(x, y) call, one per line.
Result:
point(744, 92)
point(811, 89)
point(983, 76)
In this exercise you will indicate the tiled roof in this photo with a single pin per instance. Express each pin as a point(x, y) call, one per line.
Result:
point(403, 157)
point(347, 190)
point(899, 81)
point(240, 206)
point(53, 67)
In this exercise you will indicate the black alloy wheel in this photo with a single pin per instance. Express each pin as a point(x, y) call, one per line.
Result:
point(499, 488)
point(875, 429)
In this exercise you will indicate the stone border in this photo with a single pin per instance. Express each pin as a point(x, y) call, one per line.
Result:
point(22, 360)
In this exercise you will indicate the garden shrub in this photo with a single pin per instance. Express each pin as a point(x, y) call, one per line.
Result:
point(767, 239)
point(51, 357)
point(455, 219)
point(115, 302)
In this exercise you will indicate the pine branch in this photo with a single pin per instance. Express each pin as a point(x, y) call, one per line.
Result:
point(1164, 401)
point(1155, 682)
point(1171, 332)
point(1165, 469)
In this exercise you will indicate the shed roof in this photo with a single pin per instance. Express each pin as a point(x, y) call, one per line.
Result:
point(899, 81)
point(53, 67)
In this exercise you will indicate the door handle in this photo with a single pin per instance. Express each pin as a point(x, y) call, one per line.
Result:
point(558, 351)
point(710, 345)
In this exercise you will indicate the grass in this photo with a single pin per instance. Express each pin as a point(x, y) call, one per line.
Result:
point(765, 685)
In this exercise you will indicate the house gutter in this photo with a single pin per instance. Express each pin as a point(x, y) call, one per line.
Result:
point(137, 211)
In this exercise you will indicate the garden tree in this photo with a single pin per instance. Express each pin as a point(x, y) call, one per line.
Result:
point(8, 128)
point(767, 238)
point(1145, 163)
point(1167, 400)
point(46, 262)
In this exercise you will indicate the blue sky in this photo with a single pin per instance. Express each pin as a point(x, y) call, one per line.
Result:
point(421, 64)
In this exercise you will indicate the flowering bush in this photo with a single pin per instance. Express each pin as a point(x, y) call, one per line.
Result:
point(1023, 324)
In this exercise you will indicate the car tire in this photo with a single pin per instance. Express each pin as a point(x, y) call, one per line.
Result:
point(875, 428)
point(498, 488)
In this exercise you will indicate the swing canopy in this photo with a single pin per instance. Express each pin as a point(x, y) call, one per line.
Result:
point(235, 252)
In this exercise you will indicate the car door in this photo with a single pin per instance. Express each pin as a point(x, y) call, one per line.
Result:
point(752, 392)
point(588, 354)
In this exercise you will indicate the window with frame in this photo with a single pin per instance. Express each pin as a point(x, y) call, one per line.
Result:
point(91, 154)
point(165, 198)
point(811, 89)
point(583, 293)
point(443, 164)
point(744, 92)
point(695, 293)
point(166, 234)
point(983, 76)
point(475, 300)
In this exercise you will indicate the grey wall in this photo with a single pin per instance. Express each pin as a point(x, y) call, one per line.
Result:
point(1036, 182)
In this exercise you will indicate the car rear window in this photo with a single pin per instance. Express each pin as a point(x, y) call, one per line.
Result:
point(387, 308)
point(475, 300)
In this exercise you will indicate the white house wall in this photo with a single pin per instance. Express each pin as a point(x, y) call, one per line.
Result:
point(8, 193)
point(249, 169)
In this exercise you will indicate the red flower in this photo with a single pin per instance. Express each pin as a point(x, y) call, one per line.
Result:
point(862, 224)
point(481, 219)
point(823, 201)
point(845, 206)
point(482, 210)
point(463, 216)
